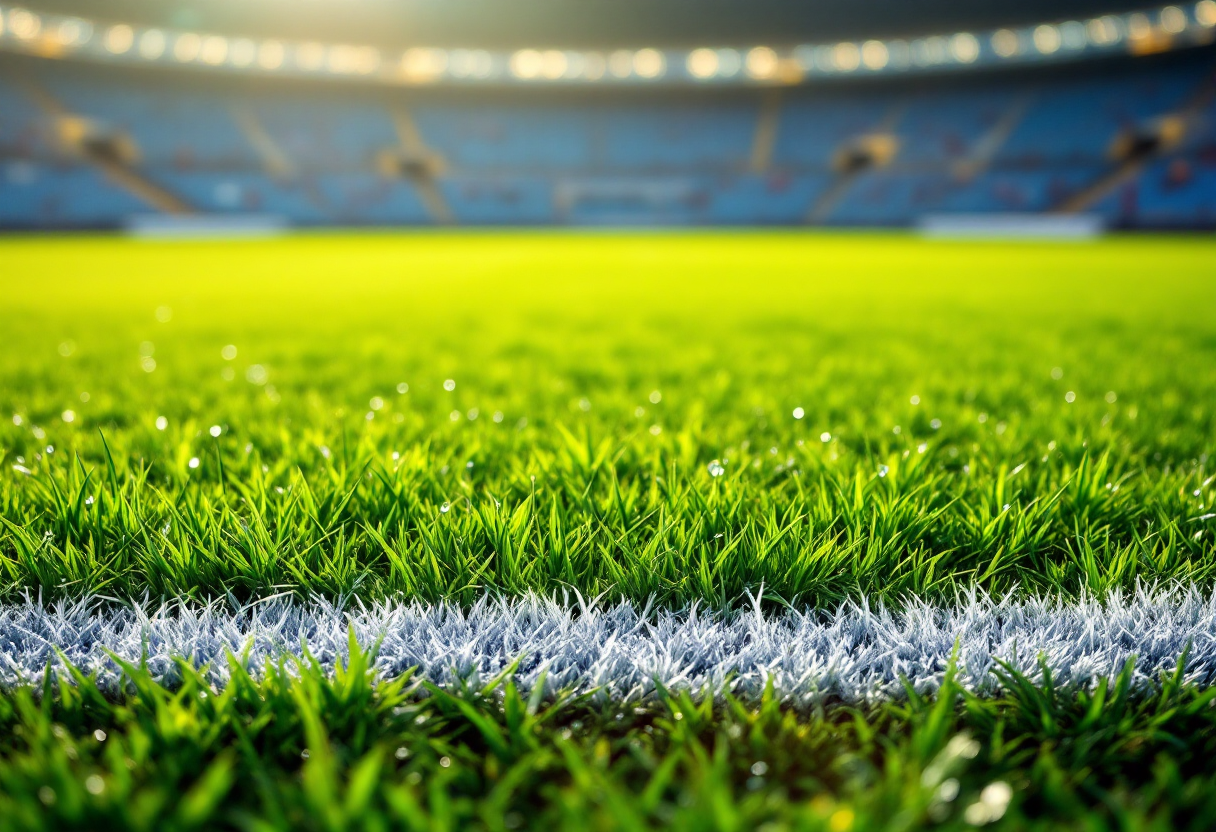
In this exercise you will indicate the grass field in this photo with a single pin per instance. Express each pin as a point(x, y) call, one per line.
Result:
point(802, 419)
point(671, 417)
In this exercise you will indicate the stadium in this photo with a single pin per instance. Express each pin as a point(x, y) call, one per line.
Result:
point(615, 415)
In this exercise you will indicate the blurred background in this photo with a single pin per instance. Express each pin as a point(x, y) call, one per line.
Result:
point(279, 113)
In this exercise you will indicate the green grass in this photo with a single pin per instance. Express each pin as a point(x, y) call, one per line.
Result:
point(301, 751)
point(626, 369)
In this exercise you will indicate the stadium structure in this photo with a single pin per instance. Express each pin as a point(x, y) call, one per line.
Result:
point(1112, 115)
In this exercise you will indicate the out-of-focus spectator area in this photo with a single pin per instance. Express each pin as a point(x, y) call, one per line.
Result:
point(1131, 139)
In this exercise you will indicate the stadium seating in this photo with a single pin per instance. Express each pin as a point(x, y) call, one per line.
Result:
point(316, 153)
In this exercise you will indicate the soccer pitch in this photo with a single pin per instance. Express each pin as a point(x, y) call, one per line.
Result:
point(700, 530)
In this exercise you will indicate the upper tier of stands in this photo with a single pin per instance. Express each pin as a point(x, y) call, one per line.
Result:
point(1134, 140)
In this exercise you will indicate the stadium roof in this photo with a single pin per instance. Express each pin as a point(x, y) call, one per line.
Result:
point(582, 23)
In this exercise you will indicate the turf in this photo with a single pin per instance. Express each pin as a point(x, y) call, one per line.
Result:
point(454, 437)
point(302, 750)
point(667, 417)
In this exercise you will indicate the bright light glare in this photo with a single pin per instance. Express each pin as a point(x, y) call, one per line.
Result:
point(761, 62)
point(702, 63)
point(119, 39)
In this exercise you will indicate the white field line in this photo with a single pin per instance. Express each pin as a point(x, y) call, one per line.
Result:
point(857, 653)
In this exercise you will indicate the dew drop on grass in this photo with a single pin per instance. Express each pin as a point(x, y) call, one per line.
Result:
point(88, 501)
point(1070, 397)
point(193, 462)
point(215, 430)
point(1057, 373)
point(17, 420)
point(473, 414)
point(498, 417)
point(403, 388)
point(655, 397)
point(445, 508)
point(69, 416)
point(897, 430)
point(922, 447)
point(655, 430)
point(584, 405)
point(825, 437)
point(716, 469)
point(449, 385)
point(883, 470)
point(228, 353)
point(799, 412)
point(94, 784)
point(147, 364)
point(1111, 397)
point(936, 424)
point(161, 423)
point(454, 415)
point(915, 400)
point(376, 403)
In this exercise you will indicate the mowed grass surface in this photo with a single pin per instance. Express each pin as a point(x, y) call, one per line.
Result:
point(624, 416)
point(298, 750)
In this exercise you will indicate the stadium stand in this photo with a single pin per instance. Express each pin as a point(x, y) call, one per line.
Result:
point(1133, 139)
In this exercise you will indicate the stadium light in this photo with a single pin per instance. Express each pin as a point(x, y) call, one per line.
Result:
point(152, 44)
point(119, 39)
point(1165, 27)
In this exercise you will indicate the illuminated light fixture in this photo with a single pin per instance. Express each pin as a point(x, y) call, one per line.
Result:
point(243, 52)
point(353, 60)
point(620, 63)
point(899, 54)
point(846, 56)
point(576, 65)
point(213, 50)
point(730, 63)
point(875, 55)
point(1047, 39)
point(73, 31)
point(152, 44)
point(526, 64)
point(187, 46)
point(460, 64)
point(1205, 13)
point(594, 66)
point(424, 65)
point(1102, 31)
point(553, 64)
point(964, 48)
point(24, 24)
point(1138, 26)
point(761, 63)
point(1005, 43)
point(930, 51)
point(1072, 35)
point(270, 55)
point(649, 63)
point(1173, 20)
point(702, 63)
point(310, 57)
point(119, 39)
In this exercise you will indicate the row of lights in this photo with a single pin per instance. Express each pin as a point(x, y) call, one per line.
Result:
point(1140, 31)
